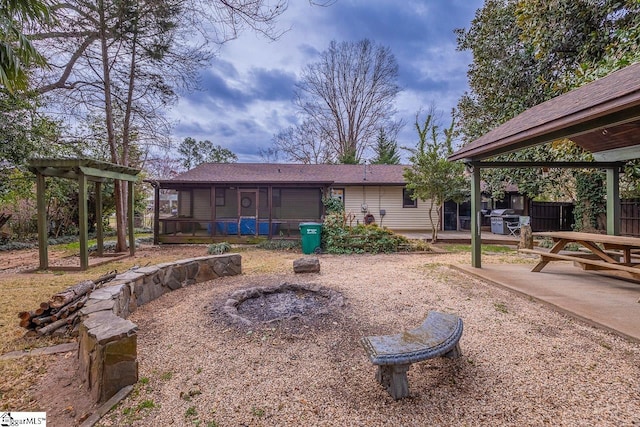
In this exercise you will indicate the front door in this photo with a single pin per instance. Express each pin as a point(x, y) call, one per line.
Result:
point(248, 200)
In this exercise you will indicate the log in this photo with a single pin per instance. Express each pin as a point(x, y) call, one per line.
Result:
point(26, 315)
point(25, 323)
point(106, 278)
point(55, 325)
point(44, 305)
point(63, 312)
point(65, 297)
point(42, 320)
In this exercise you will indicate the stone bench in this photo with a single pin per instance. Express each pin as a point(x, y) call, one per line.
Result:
point(393, 354)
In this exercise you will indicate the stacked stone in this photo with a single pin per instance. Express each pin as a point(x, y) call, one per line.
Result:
point(108, 342)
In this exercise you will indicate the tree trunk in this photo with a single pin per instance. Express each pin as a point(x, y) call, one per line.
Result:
point(434, 232)
point(119, 192)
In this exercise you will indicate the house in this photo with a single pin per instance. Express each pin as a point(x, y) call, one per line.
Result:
point(236, 201)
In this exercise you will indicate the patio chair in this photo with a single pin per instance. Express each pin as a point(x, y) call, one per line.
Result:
point(514, 227)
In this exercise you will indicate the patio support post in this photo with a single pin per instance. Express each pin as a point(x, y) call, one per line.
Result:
point(156, 213)
point(42, 222)
point(475, 216)
point(613, 201)
point(99, 234)
point(83, 220)
point(132, 238)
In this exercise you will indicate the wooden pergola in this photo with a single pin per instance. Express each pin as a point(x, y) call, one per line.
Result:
point(602, 117)
point(83, 171)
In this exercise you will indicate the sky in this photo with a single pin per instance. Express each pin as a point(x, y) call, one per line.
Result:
point(246, 94)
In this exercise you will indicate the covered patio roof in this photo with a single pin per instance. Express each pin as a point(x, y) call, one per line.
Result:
point(602, 117)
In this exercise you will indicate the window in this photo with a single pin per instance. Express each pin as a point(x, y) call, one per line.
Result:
point(220, 193)
point(407, 201)
point(277, 198)
point(337, 193)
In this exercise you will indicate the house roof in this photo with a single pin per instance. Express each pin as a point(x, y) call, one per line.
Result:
point(601, 117)
point(284, 173)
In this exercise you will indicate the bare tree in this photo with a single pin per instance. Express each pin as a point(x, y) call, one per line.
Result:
point(123, 61)
point(303, 144)
point(345, 98)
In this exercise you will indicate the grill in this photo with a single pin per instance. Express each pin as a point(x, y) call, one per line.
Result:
point(500, 218)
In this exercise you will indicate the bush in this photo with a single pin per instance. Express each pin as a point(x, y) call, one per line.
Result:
point(340, 238)
point(281, 245)
point(218, 248)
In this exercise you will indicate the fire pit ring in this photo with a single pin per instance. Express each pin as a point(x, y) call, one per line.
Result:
point(286, 301)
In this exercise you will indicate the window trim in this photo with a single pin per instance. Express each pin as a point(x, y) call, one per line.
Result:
point(407, 196)
point(221, 196)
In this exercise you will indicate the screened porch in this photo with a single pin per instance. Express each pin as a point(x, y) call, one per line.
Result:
point(235, 213)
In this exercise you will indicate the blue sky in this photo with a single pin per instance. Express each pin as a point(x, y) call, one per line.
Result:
point(246, 93)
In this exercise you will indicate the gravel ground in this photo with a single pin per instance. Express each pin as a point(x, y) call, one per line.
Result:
point(522, 363)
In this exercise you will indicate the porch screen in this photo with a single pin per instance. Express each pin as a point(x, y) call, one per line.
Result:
point(298, 203)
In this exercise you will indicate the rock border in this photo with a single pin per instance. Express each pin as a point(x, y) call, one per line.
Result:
point(230, 308)
point(107, 349)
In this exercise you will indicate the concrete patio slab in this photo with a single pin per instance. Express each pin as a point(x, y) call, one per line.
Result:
point(601, 300)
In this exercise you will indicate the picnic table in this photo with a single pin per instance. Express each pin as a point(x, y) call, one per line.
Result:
point(600, 252)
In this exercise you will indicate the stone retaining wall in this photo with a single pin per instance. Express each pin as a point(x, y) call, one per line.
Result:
point(107, 351)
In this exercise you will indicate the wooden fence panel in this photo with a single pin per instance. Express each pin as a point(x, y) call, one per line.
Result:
point(630, 217)
point(551, 216)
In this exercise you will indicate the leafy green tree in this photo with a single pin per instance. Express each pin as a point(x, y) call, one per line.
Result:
point(192, 153)
point(528, 51)
point(17, 52)
point(386, 150)
point(431, 176)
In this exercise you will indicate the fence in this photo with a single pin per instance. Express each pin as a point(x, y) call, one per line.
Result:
point(630, 217)
point(551, 216)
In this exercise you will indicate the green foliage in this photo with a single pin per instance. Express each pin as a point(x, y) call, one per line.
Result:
point(528, 51)
point(591, 205)
point(340, 238)
point(431, 176)
point(333, 205)
point(280, 245)
point(192, 153)
point(218, 248)
point(386, 150)
point(17, 53)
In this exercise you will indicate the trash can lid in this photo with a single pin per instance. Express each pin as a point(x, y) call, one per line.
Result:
point(310, 223)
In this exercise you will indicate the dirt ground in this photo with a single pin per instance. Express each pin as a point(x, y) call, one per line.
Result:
point(59, 390)
point(522, 363)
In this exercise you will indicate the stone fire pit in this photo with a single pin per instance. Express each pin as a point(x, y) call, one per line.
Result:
point(283, 302)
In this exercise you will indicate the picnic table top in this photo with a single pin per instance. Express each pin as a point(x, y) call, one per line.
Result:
point(628, 241)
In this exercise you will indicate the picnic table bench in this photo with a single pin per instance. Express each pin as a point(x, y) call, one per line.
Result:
point(393, 354)
point(603, 252)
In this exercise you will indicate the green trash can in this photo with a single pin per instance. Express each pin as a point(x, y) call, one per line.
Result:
point(310, 233)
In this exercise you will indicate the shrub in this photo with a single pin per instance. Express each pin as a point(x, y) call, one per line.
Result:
point(218, 248)
point(340, 238)
point(280, 245)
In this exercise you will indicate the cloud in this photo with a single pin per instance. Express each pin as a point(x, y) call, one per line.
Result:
point(247, 91)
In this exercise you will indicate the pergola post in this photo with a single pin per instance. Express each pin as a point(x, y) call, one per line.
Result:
point(156, 213)
point(476, 220)
point(99, 233)
point(613, 201)
point(83, 220)
point(42, 222)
